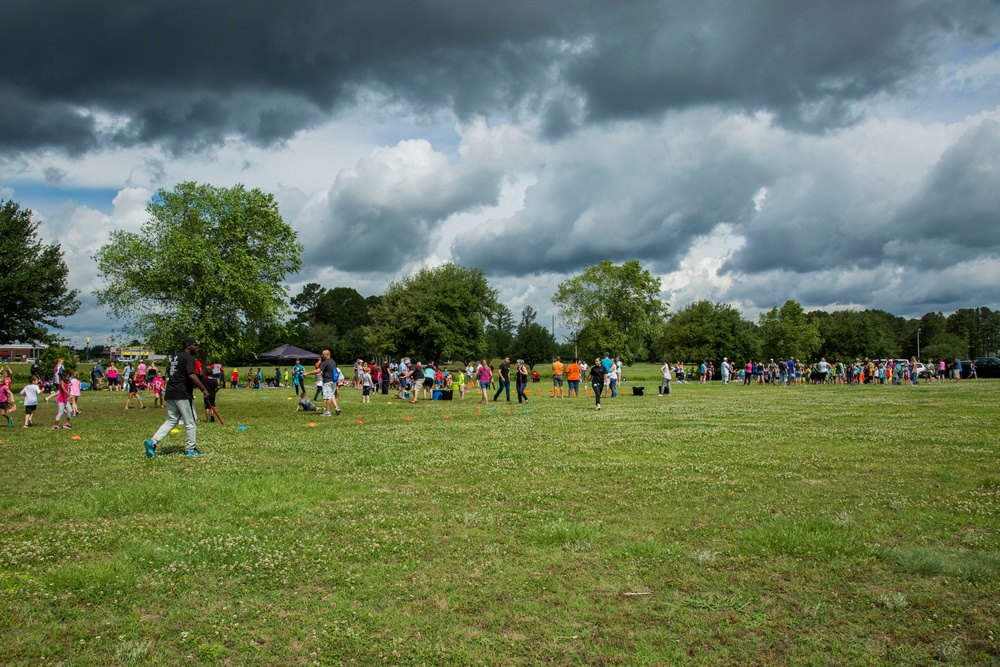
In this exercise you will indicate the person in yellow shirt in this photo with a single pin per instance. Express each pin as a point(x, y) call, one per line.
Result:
point(573, 372)
point(557, 378)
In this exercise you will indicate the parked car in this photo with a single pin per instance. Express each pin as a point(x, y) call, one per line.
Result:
point(986, 367)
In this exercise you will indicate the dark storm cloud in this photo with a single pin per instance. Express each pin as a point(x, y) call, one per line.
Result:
point(829, 216)
point(187, 74)
point(807, 62)
point(640, 193)
point(959, 208)
point(385, 213)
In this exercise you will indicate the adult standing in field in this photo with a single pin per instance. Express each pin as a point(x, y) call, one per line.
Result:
point(557, 378)
point(665, 378)
point(96, 375)
point(328, 373)
point(573, 373)
point(385, 377)
point(958, 370)
point(824, 370)
point(503, 381)
point(613, 379)
point(182, 378)
point(522, 381)
point(726, 370)
point(598, 375)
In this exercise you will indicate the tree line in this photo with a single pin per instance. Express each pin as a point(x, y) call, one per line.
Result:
point(212, 263)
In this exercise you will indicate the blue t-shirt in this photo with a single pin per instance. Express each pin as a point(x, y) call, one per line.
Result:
point(606, 362)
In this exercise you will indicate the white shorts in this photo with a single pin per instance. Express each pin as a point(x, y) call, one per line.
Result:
point(329, 390)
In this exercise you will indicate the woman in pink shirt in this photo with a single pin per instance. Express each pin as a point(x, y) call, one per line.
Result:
point(485, 379)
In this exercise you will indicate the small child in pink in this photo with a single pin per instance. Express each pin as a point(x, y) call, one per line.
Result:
point(157, 384)
point(62, 400)
point(74, 393)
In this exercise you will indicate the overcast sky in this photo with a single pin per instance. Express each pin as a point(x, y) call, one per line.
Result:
point(840, 153)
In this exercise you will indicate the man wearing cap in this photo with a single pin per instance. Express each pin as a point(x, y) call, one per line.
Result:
point(179, 395)
point(726, 369)
point(330, 374)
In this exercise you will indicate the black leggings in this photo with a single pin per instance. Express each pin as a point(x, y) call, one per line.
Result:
point(598, 388)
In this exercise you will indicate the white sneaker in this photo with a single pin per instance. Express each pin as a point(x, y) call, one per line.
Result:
point(326, 414)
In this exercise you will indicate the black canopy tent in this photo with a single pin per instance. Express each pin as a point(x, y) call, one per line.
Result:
point(286, 353)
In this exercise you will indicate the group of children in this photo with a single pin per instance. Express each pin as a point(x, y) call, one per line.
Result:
point(66, 392)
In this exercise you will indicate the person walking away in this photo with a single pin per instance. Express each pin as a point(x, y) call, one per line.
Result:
point(573, 373)
point(485, 379)
point(212, 385)
point(522, 381)
point(75, 387)
point(557, 378)
point(597, 376)
point(181, 381)
point(30, 393)
point(665, 381)
point(613, 380)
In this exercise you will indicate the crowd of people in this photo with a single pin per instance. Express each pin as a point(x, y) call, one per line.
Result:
point(793, 371)
point(411, 380)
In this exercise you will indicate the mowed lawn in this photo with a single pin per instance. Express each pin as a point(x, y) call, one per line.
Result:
point(718, 526)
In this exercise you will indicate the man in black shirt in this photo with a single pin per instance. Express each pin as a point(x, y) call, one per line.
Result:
point(503, 379)
point(330, 375)
point(181, 381)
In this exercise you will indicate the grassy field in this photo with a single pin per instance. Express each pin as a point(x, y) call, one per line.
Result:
point(718, 526)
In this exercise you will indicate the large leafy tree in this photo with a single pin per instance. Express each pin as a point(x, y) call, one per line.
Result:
point(33, 280)
point(848, 334)
point(210, 263)
point(332, 319)
point(437, 313)
point(788, 332)
point(615, 308)
point(499, 332)
point(709, 331)
point(533, 343)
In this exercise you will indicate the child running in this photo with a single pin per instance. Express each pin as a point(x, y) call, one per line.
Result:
point(30, 393)
point(133, 392)
point(6, 400)
point(62, 400)
point(212, 385)
point(157, 384)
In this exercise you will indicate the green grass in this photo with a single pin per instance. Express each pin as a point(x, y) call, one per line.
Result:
point(719, 526)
